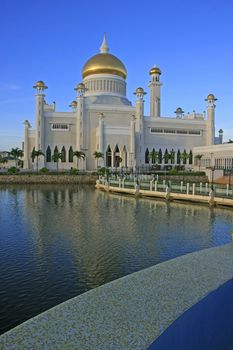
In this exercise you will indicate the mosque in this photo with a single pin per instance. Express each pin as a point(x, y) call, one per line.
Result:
point(102, 119)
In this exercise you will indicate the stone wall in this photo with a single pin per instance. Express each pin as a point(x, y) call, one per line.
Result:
point(45, 179)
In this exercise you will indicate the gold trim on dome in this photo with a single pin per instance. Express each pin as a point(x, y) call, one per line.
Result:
point(155, 70)
point(104, 63)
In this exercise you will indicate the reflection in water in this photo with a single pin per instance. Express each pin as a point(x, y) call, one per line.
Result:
point(59, 241)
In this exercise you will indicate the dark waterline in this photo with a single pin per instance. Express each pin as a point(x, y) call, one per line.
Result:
point(59, 241)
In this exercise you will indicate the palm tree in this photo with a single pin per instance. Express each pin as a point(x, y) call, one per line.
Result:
point(79, 155)
point(167, 156)
point(198, 157)
point(154, 156)
point(36, 154)
point(98, 155)
point(184, 157)
point(56, 156)
point(16, 153)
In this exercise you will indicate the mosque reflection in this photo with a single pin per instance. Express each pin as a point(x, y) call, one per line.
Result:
point(100, 236)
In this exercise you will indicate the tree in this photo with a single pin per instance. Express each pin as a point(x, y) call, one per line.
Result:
point(16, 153)
point(167, 156)
point(198, 157)
point(79, 155)
point(184, 157)
point(97, 156)
point(154, 156)
point(36, 154)
point(172, 156)
point(56, 156)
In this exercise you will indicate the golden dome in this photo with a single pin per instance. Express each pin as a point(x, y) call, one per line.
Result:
point(211, 97)
point(139, 90)
point(80, 86)
point(104, 63)
point(73, 104)
point(40, 85)
point(179, 110)
point(155, 70)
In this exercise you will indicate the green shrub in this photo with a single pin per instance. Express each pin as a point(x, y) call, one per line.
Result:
point(44, 170)
point(12, 170)
point(73, 171)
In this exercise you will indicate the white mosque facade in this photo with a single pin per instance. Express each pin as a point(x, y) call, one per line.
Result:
point(103, 119)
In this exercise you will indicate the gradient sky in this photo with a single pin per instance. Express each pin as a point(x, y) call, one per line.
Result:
point(191, 41)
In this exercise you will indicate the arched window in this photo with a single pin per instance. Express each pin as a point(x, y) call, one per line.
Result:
point(166, 156)
point(153, 158)
point(71, 155)
point(173, 153)
point(63, 157)
point(48, 154)
point(190, 157)
point(109, 157)
point(55, 152)
point(178, 157)
point(160, 156)
point(147, 160)
point(116, 157)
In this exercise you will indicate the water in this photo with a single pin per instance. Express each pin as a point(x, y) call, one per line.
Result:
point(59, 241)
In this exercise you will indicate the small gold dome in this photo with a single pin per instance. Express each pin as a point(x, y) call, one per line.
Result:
point(73, 104)
point(211, 97)
point(179, 110)
point(104, 63)
point(139, 90)
point(80, 86)
point(155, 70)
point(40, 85)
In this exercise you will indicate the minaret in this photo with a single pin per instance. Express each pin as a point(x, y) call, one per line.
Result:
point(210, 119)
point(154, 85)
point(220, 136)
point(81, 132)
point(39, 136)
point(139, 126)
point(26, 157)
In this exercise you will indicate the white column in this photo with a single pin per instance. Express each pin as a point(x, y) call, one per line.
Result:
point(101, 132)
point(132, 141)
point(26, 145)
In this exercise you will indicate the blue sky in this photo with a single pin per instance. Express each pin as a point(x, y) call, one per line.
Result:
point(191, 41)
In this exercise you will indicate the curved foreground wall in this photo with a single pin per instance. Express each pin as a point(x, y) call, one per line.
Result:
point(129, 313)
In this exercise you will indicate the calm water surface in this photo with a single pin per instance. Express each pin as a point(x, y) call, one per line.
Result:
point(59, 241)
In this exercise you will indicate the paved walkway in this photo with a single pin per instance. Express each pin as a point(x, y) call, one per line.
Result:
point(129, 313)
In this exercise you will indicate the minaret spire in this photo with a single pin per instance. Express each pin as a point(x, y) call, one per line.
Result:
point(104, 47)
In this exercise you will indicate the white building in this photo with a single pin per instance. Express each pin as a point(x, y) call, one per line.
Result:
point(103, 119)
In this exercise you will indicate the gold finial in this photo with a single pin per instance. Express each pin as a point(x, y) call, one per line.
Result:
point(104, 47)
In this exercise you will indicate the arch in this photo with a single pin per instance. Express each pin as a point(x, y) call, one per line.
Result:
point(55, 151)
point(147, 160)
point(116, 157)
point(48, 154)
point(178, 157)
point(173, 155)
point(153, 156)
point(190, 157)
point(71, 155)
point(109, 157)
point(63, 154)
point(160, 156)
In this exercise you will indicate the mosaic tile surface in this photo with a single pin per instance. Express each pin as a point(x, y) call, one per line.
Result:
point(128, 313)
